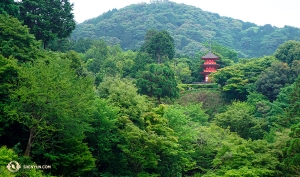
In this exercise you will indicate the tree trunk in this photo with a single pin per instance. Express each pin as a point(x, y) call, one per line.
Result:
point(158, 58)
point(29, 143)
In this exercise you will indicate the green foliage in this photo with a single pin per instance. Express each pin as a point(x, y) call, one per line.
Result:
point(237, 80)
point(7, 156)
point(182, 70)
point(157, 81)
point(187, 87)
point(190, 27)
point(48, 20)
point(239, 157)
point(272, 79)
point(8, 76)
point(122, 93)
point(141, 60)
point(288, 52)
point(293, 110)
point(211, 100)
point(102, 138)
point(268, 113)
point(292, 152)
point(96, 55)
point(9, 7)
point(239, 118)
point(161, 45)
point(53, 104)
point(54, 112)
point(16, 41)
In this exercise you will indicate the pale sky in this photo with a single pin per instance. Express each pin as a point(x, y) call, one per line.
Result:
point(275, 12)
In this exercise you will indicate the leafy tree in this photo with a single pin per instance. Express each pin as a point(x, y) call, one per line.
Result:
point(9, 7)
point(152, 148)
point(237, 157)
point(48, 20)
point(293, 110)
point(141, 60)
point(103, 139)
point(271, 80)
point(295, 70)
point(237, 80)
point(122, 93)
point(149, 34)
point(8, 75)
point(53, 104)
point(16, 41)
point(161, 45)
point(182, 70)
point(61, 45)
point(76, 62)
point(292, 152)
point(239, 118)
point(288, 52)
point(96, 55)
point(157, 81)
point(185, 121)
point(9, 155)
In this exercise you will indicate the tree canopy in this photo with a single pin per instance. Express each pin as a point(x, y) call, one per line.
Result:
point(48, 20)
point(90, 108)
point(190, 27)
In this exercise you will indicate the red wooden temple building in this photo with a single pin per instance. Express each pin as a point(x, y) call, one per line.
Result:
point(209, 65)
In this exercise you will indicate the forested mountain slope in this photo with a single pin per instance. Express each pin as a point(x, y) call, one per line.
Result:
point(189, 26)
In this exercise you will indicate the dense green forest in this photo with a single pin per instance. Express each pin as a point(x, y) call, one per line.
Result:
point(100, 110)
point(189, 26)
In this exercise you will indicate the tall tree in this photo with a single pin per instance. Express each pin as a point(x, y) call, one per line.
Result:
point(158, 81)
point(9, 7)
point(16, 41)
point(53, 104)
point(161, 45)
point(48, 20)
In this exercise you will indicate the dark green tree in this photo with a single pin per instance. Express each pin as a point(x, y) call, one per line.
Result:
point(161, 45)
point(8, 76)
point(9, 7)
point(141, 60)
point(16, 41)
point(293, 110)
point(48, 20)
point(238, 79)
point(292, 151)
point(157, 81)
point(274, 78)
point(150, 33)
point(288, 52)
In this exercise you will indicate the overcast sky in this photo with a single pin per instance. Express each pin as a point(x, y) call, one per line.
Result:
point(275, 12)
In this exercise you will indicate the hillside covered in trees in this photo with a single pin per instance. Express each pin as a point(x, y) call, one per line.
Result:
point(189, 26)
point(101, 111)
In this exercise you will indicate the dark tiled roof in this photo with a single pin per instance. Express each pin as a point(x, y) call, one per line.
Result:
point(210, 55)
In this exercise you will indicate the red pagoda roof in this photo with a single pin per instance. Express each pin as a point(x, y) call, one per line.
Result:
point(210, 55)
point(206, 65)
